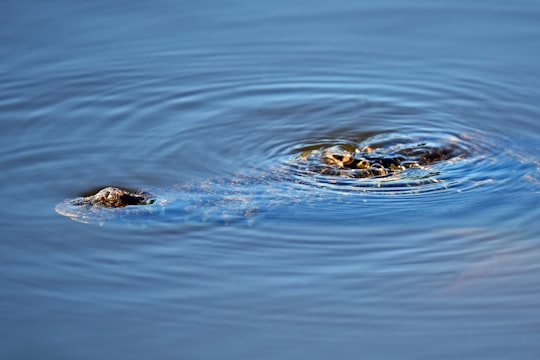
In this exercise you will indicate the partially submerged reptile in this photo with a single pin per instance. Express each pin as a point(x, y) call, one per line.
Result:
point(367, 162)
point(384, 160)
point(113, 197)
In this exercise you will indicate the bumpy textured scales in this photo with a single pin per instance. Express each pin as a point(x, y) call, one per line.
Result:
point(367, 162)
point(113, 197)
point(384, 160)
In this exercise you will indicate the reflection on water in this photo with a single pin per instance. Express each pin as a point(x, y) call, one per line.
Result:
point(246, 253)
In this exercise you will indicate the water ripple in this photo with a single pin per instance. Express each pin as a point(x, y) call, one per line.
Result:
point(208, 124)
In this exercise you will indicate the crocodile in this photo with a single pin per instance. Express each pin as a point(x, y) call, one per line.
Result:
point(367, 162)
point(383, 160)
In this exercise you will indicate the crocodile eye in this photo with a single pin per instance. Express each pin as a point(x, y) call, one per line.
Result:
point(339, 159)
point(363, 164)
point(345, 158)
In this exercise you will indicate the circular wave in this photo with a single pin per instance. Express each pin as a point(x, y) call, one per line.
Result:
point(220, 123)
point(413, 162)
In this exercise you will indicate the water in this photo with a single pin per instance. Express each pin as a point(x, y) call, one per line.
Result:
point(175, 96)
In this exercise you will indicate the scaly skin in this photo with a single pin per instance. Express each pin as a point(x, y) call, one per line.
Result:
point(365, 163)
point(113, 197)
point(327, 160)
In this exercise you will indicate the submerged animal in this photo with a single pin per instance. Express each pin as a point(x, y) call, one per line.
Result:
point(369, 162)
point(384, 160)
point(113, 197)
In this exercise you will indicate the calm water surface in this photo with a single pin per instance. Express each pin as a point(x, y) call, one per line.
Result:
point(206, 93)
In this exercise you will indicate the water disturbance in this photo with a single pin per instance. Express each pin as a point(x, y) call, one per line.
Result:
point(270, 180)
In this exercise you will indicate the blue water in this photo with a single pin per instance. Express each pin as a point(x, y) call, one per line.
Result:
point(211, 100)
